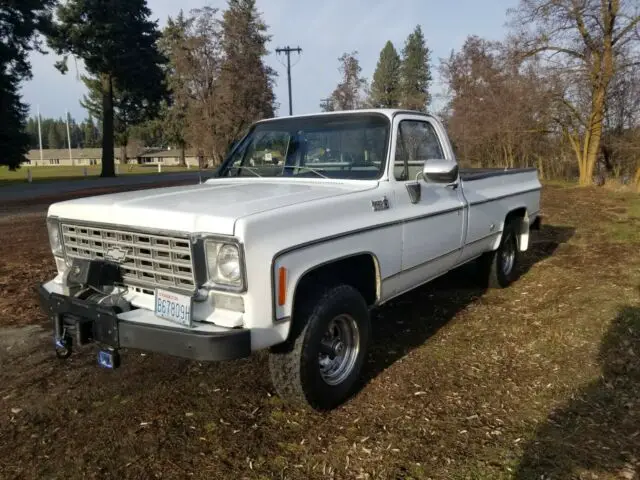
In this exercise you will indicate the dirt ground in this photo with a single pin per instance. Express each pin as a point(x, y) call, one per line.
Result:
point(538, 381)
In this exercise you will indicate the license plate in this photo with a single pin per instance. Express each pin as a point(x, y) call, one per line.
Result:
point(174, 307)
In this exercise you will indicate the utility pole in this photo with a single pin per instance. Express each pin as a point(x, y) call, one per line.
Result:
point(66, 113)
point(40, 136)
point(287, 51)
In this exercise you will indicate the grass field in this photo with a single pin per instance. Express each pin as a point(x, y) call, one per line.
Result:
point(40, 174)
point(537, 381)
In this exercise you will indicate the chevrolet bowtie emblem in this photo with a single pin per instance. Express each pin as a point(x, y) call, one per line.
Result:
point(116, 254)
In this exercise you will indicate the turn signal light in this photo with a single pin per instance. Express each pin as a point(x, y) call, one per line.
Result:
point(282, 286)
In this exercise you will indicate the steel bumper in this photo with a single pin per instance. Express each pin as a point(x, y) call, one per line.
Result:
point(94, 323)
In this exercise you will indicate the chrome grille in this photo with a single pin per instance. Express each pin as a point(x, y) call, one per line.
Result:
point(145, 259)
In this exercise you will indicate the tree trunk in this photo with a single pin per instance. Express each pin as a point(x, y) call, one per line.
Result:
point(637, 178)
point(593, 137)
point(123, 154)
point(540, 167)
point(183, 161)
point(108, 169)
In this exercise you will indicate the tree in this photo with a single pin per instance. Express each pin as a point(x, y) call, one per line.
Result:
point(173, 115)
point(118, 44)
point(90, 134)
point(499, 112)
point(194, 48)
point(129, 110)
point(583, 43)
point(55, 139)
point(415, 73)
point(349, 93)
point(19, 23)
point(32, 131)
point(244, 41)
point(385, 88)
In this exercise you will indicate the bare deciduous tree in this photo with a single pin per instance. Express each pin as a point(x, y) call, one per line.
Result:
point(583, 43)
point(351, 91)
point(499, 110)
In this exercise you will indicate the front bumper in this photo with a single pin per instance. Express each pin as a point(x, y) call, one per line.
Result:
point(102, 325)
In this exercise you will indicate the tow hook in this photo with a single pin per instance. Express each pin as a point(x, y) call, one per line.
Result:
point(63, 346)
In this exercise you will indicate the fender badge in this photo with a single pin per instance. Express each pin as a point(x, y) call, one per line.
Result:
point(378, 205)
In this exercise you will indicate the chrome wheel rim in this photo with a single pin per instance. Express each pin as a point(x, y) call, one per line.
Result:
point(508, 255)
point(339, 349)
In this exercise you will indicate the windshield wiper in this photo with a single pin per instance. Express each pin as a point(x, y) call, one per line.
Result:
point(313, 170)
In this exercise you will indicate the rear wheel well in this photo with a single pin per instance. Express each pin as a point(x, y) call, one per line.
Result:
point(360, 271)
point(519, 215)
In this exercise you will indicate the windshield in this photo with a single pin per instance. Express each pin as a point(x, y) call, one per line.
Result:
point(351, 146)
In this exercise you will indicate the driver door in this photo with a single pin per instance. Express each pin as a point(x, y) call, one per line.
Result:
point(432, 231)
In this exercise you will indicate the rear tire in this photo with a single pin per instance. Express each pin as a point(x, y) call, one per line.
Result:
point(498, 269)
point(321, 363)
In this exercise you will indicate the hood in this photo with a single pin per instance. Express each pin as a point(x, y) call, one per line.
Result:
point(211, 207)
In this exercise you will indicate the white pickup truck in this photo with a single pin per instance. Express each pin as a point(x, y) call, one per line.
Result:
point(309, 223)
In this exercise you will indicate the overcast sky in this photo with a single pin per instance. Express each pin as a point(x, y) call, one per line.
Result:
point(324, 29)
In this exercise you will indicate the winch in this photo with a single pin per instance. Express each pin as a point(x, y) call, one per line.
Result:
point(96, 282)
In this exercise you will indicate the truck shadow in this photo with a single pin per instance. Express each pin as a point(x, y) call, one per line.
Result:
point(598, 431)
point(408, 321)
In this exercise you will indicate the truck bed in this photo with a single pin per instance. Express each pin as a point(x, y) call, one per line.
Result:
point(470, 174)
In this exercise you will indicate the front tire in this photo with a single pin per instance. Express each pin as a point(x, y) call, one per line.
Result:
point(320, 365)
point(498, 269)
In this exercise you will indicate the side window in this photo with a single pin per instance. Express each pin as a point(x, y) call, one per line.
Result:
point(417, 142)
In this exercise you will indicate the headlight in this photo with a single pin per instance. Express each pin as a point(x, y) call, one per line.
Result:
point(224, 265)
point(54, 236)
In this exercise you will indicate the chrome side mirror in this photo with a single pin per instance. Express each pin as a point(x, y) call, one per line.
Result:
point(440, 171)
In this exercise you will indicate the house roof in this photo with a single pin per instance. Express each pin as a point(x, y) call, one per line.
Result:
point(63, 153)
point(167, 153)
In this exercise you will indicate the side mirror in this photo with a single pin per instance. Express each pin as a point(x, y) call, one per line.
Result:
point(440, 171)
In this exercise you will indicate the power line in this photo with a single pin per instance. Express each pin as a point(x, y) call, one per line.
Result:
point(287, 51)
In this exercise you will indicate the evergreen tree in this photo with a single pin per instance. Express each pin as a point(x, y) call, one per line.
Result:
point(76, 134)
point(19, 22)
point(32, 131)
point(118, 44)
point(89, 134)
point(54, 139)
point(385, 88)
point(415, 76)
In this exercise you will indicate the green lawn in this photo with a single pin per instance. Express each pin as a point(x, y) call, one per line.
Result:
point(40, 174)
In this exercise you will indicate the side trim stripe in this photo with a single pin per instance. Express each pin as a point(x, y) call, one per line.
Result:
point(439, 257)
point(489, 200)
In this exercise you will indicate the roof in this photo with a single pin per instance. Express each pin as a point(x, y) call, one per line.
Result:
point(388, 112)
point(63, 153)
point(96, 153)
point(175, 152)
